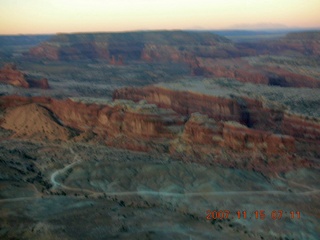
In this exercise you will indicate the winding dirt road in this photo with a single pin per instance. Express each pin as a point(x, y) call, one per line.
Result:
point(76, 160)
point(56, 184)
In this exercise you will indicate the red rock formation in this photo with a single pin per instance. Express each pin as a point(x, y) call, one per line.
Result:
point(71, 51)
point(240, 138)
point(294, 44)
point(160, 46)
point(145, 127)
point(152, 52)
point(184, 102)
point(234, 145)
point(115, 120)
point(138, 124)
point(242, 71)
point(306, 43)
point(301, 127)
point(249, 112)
point(202, 130)
point(9, 74)
point(284, 78)
point(46, 51)
point(113, 60)
point(42, 83)
point(33, 121)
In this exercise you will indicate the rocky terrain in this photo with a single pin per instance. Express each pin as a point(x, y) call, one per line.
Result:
point(9, 74)
point(144, 127)
point(294, 43)
point(148, 135)
point(241, 70)
point(148, 46)
point(205, 53)
point(250, 112)
point(66, 190)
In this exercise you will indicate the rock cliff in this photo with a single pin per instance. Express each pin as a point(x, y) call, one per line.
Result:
point(120, 123)
point(145, 127)
point(147, 46)
point(241, 70)
point(250, 112)
point(9, 74)
point(34, 121)
point(184, 102)
point(294, 43)
point(234, 145)
point(119, 117)
point(205, 53)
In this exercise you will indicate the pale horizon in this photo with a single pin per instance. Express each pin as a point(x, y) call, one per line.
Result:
point(80, 16)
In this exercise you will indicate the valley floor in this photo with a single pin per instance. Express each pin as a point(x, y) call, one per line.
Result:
point(68, 190)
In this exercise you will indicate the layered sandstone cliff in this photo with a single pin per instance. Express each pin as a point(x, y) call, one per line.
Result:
point(241, 70)
point(294, 43)
point(183, 102)
point(119, 123)
point(234, 145)
point(205, 53)
point(145, 127)
point(244, 110)
point(119, 117)
point(249, 112)
point(9, 74)
point(42, 83)
point(72, 51)
point(147, 46)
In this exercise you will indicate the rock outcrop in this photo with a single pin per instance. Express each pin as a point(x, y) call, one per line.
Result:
point(145, 127)
point(72, 51)
point(295, 43)
point(234, 145)
point(165, 46)
point(301, 127)
point(184, 102)
point(205, 53)
point(9, 74)
point(34, 121)
point(241, 70)
point(120, 117)
point(42, 83)
point(249, 112)
point(45, 51)
point(121, 123)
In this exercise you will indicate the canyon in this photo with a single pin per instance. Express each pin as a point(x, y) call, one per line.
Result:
point(231, 128)
point(249, 112)
point(205, 53)
point(160, 135)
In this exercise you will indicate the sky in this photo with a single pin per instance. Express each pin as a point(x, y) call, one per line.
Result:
point(67, 16)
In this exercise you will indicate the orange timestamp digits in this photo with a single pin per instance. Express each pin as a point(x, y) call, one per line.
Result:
point(258, 214)
point(217, 214)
